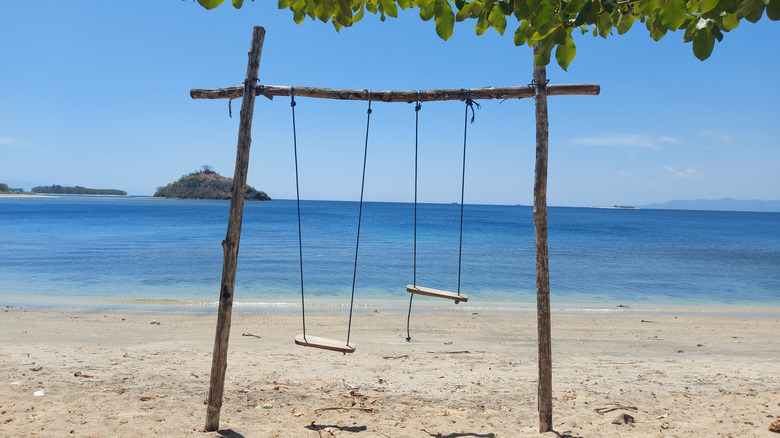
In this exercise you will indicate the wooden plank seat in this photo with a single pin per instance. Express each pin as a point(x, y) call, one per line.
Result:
point(427, 291)
point(325, 344)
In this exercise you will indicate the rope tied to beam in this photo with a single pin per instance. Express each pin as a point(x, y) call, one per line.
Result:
point(470, 104)
point(539, 87)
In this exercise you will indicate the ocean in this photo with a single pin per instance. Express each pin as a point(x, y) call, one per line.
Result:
point(160, 254)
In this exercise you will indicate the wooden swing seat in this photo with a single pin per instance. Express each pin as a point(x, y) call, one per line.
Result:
point(427, 291)
point(325, 344)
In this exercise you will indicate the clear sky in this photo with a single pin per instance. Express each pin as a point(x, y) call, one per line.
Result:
point(96, 94)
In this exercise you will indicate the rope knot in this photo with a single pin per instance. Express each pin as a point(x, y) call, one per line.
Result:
point(470, 103)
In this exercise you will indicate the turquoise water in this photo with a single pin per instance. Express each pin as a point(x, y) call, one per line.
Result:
point(110, 253)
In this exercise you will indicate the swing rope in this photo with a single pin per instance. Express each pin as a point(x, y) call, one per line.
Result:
point(417, 108)
point(298, 203)
point(360, 216)
point(469, 105)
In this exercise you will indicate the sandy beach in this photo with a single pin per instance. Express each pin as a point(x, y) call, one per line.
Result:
point(465, 374)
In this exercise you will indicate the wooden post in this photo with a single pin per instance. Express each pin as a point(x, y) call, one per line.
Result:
point(230, 244)
point(542, 263)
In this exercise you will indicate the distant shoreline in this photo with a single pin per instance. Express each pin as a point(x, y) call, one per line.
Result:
point(18, 195)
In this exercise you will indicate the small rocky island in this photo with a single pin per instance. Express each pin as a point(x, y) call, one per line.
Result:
point(206, 184)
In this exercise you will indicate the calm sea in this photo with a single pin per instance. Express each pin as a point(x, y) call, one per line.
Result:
point(155, 254)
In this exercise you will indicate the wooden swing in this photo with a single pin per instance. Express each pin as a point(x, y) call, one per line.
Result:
point(413, 288)
point(314, 341)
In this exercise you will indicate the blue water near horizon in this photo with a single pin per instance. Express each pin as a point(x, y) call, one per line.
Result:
point(161, 254)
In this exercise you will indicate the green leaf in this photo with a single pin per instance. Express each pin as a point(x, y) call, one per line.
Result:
point(582, 17)
point(703, 43)
point(521, 34)
point(729, 22)
point(404, 4)
point(444, 19)
point(482, 24)
point(310, 10)
point(324, 10)
point(542, 56)
point(673, 14)
point(299, 16)
point(389, 8)
point(343, 13)
point(656, 27)
point(358, 15)
point(716, 33)
point(574, 7)
point(210, 4)
point(522, 10)
point(566, 52)
point(544, 15)
point(690, 32)
point(773, 10)
point(609, 5)
point(707, 5)
point(238, 3)
point(371, 6)
point(497, 20)
point(604, 25)
point(507, 6)
point(465, 12)
point(626, 21)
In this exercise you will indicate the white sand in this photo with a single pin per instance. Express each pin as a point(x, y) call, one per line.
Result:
point(463, 375)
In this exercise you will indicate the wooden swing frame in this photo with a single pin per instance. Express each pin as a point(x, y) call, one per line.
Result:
point(539, 90)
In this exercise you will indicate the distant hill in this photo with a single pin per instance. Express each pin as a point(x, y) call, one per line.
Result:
point(77, 190)
point(206, 184)
point(724, 204)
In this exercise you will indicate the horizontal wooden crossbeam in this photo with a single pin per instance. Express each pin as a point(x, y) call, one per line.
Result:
point(270, 91)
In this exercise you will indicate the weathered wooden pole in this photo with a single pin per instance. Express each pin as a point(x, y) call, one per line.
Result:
point(230, 244)
point(542, 264)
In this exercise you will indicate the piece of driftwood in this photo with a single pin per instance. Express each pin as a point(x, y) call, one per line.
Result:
point(230, 244)
point(487, 93)
point(542, 261)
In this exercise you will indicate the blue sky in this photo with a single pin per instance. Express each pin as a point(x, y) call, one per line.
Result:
point(96, 94)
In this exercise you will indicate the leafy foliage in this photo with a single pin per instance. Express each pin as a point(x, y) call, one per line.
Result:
point(4, 188)
point(206, 184)
point(550, 23)
point(77, 190)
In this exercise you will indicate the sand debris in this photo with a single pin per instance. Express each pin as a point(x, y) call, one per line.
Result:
point(623, 419)
point(611, 408)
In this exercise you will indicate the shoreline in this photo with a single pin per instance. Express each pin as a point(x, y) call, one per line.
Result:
point(126, 373)
point(100, 304)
